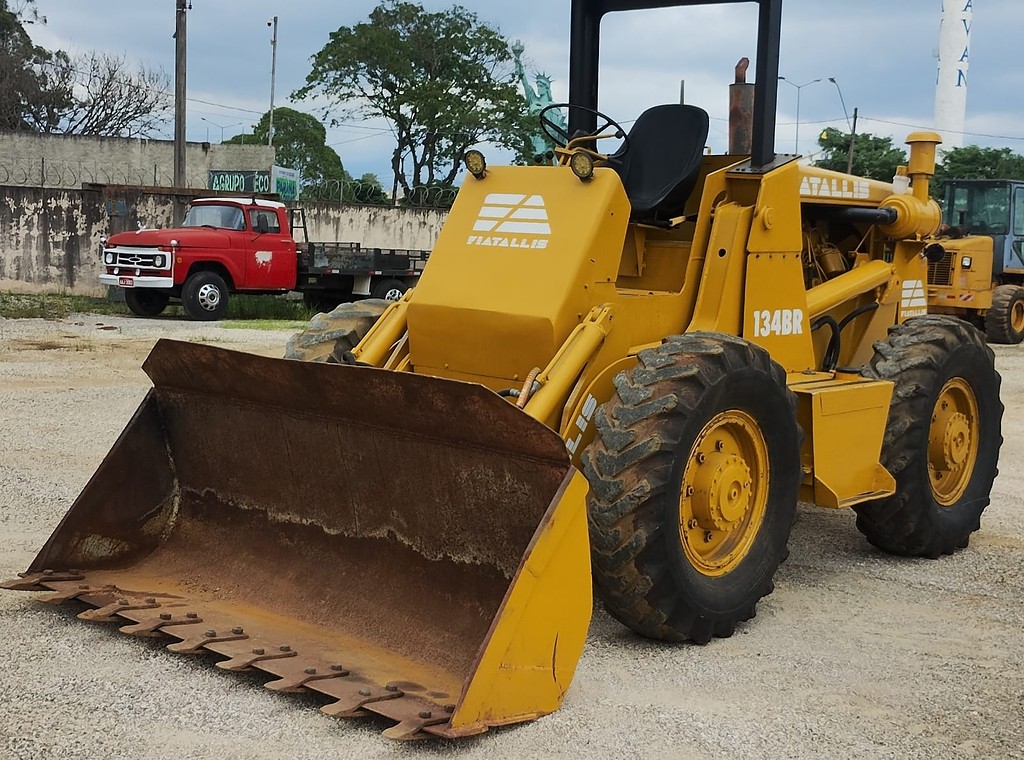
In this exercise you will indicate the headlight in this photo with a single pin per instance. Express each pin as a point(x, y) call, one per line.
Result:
point(475, 163)
point(582, 165)
point(966, 261)
point(109, 257)
point(159, 262)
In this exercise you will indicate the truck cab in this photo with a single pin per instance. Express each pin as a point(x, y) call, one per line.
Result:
point(976, 268)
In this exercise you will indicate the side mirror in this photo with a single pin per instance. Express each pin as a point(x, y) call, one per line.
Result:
point(262, 226)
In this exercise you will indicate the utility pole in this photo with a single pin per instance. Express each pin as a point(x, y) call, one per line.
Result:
point(273, 77)
point(853, 142)
point(179, 101)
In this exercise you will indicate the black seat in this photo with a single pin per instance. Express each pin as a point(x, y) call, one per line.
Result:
point(661, 166)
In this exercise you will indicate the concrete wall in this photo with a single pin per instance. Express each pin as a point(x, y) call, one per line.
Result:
point(50, 238)
point(68, 161)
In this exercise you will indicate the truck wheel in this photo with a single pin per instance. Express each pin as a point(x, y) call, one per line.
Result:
point(205, 296)
point(694, 475)
point(328, 336)
point(389, 290)
point(942, 439)
point(144, 302)
point(1004, 322)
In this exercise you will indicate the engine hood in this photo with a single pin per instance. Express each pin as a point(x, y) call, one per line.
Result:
point(187, 237)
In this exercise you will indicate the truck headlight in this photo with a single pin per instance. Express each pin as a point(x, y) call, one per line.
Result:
point(109, 257)
point(966, 261)
point(159, 262)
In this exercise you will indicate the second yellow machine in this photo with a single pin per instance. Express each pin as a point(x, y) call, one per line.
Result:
point(658, 353)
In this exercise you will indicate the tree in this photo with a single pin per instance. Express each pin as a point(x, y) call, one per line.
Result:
point(301, 143)
point(25, 89)
point(99, 94)
point(89, 94)
point(443, 81)
point(873, 157)
point(972, 162)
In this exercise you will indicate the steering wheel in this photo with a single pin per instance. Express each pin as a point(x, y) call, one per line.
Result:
point(561, 137)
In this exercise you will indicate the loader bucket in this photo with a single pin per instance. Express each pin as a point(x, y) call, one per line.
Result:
point(411, 547)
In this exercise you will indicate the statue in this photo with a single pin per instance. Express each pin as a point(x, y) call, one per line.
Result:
point(536, 101)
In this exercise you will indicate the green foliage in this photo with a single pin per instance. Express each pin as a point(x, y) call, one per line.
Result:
point(873, 157)
point(972, 162)
point(27, 93)
point(444, 81)
point(300, 140)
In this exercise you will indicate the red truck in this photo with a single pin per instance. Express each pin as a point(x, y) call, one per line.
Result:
point(247, 245)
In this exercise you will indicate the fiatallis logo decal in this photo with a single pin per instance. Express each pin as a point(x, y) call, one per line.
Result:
point(825, 187)
point(511, 220)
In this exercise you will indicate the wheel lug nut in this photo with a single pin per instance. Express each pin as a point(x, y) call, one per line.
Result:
point(693, 523)
point(719, 445)
point(708, 537)
point(701, 458)
point(285, 648)
point(689, 490)
point(210, 634)
point(238, 630)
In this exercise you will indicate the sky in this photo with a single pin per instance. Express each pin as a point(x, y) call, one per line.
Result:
point(882, 54)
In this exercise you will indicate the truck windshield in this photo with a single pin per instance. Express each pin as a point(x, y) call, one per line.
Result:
point(215, 215)
point(980, 207)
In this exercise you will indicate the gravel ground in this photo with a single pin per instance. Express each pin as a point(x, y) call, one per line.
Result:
point(856, 654)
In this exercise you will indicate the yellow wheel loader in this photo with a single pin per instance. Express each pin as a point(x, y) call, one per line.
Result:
point(679, 346)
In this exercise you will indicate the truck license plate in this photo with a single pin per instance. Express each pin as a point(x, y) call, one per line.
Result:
point(126, 282)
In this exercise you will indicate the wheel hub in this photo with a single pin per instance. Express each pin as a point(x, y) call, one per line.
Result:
point(953, 441)
point(721, 491)
point(209, 297)
point(724, 492)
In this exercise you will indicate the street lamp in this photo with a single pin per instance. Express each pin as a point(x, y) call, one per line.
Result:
point(852, 128)
point(799, 87)
point(222, 128)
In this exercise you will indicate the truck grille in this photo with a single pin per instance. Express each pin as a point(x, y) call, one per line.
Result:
point(139, 258)
point(941, 272)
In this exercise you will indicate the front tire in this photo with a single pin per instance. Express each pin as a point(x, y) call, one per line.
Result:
point(694, 475)
point(205, 297)
point(941, 441)
point(144, 302)
point(1004, 322)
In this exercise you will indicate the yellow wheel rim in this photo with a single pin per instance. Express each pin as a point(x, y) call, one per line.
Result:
point(724, 493)
point(953, 439)
point(1017, 316)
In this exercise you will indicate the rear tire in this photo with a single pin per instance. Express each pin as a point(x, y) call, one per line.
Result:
point(329, 336)
point(205, 297)
point(1004, 322)
point(694, 474)
point(389, 290)
point(942, 439)
point(144, 302)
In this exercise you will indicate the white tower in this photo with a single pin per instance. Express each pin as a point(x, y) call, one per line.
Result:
point(954, 60)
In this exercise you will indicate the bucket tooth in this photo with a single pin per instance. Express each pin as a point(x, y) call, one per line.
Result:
point(352, 697)
point(65, 592)
point(111, 612)
point(411, 716)
point(302, 672)
point(151, 626)
point(244, 660)
point(193, 644)
point(35, 581)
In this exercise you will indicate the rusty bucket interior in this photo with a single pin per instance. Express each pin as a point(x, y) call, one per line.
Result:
point(400, 543)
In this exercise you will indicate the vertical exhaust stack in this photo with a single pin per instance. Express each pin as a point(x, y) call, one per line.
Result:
point(741, 111)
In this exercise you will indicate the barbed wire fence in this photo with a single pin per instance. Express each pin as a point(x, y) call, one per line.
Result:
point(56, 174)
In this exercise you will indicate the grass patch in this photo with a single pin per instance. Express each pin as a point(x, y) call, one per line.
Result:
point(55, 305)
point(240, 307)
point(264, 324)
